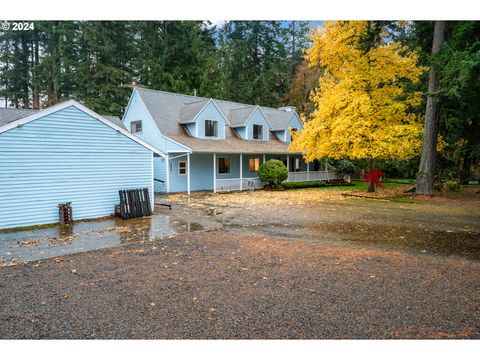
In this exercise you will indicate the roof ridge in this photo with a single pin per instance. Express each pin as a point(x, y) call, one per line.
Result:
point(243, 107)
point(196, 102)
point(205, 98)
point(19, 109)
point(169, 93)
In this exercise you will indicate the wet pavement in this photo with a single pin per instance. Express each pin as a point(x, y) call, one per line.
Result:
point(443, 226)
point(20, 246)
point(297, 264)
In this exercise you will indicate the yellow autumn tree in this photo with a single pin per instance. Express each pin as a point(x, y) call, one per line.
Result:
point(362, 102)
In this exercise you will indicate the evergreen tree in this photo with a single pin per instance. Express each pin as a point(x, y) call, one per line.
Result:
point(172, 55)
point(251, 65)
point(15, 60)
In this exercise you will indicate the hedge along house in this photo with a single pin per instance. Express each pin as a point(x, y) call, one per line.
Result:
point(214, 144)
point(67, 153)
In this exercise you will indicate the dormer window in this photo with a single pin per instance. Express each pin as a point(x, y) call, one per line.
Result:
point(136, 127)
point(211, 128)
point(257, 132)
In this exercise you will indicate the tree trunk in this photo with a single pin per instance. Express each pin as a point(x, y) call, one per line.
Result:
point(35, 75)
point(371, 184)
point(426, 170)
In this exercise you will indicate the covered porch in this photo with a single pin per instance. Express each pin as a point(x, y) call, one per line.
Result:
point(247, 179)
point(223, 172)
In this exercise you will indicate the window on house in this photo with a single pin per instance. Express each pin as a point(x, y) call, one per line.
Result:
point(211, 128)
point(253, 164)
point(136, 127)
point(296, 165)
point(182, 168)
point(257, 132)
point(224, 165)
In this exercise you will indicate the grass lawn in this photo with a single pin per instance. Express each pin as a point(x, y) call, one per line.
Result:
point(359, 186)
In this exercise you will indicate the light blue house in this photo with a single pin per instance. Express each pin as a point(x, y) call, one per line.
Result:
point(67, 153)
point(214, 144)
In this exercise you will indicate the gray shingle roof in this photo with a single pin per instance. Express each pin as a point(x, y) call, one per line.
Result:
point(238, 117)
point(115, 120)
point(190, 110)
point(166, 108)
point(8, 115)
point(232, 144)
point(279, 119)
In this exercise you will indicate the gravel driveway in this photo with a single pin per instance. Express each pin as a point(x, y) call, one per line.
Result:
point(297, 264)
point(226, 285)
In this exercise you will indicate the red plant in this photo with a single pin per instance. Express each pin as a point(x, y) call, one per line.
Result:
point(374, 175)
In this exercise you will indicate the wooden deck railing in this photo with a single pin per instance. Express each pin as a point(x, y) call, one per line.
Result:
point(311, 176)
point(223, 185)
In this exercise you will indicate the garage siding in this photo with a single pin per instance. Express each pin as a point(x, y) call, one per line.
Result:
point(67, 156)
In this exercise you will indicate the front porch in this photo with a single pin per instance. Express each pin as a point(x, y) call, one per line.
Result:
point(240, 184)
point(221, 172)
point(298, 171)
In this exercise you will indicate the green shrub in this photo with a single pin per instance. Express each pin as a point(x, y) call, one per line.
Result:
point(273, 172)
point(345, 167)
point(304, 184)
point(453, 185)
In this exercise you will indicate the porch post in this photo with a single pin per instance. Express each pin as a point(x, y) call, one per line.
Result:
point(241, 172)
point(167, 174)
point(263, 159)
point(188, 173)
point(326, 169)
point(214, 172)
point(288, 163)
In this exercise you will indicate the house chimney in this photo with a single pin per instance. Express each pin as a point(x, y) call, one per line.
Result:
point(287, 108)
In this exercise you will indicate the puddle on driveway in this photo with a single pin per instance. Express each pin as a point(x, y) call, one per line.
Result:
point(89, 235)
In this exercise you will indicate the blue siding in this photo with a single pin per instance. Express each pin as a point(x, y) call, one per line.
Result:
point(242, 132)
point(246, 173)
point(150, 133)
point(280, 135)
point(191, 128)
point(234, 166)
point(257, 118)
point(294, 123)
point(67, 156)
point(159, 174)
point(210, 112)
point(201, 169)
point(201, 172)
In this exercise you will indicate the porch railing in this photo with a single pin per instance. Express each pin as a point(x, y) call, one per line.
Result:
point(234, 184)
point(311, 176)
point(223, 185)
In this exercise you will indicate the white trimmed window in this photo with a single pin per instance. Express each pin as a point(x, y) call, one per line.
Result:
point(258, 132)
point(253, 164)
point(136, 127)
point(224, 165)
point(182, 168)
point(296, 164)
point(211, 128)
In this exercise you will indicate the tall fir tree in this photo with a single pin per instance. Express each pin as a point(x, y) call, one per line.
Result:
point(251, 65)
